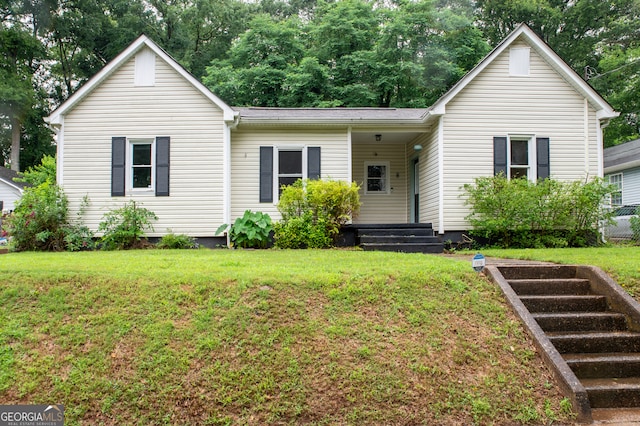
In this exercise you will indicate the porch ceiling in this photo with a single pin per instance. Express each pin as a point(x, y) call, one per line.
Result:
point(385, 137)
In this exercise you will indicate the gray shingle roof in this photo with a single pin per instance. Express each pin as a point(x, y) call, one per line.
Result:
point(618, 155)
point(8, 175)
point(331, 115)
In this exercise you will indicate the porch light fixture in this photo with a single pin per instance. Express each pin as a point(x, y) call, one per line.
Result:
point(378, 138)
point(417, 147)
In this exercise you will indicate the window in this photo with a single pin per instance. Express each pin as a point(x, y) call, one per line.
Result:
point(141, 176)
point(616, 195)
point(519, 61)
point(140, 166)
point(289, 167)
point(284, 166)
point(521, 157)
point(377, 178)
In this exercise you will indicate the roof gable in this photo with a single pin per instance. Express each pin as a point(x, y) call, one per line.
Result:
point(526, 34)
point(141, 42)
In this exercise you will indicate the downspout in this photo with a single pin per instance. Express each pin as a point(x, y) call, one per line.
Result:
point(58, 129)
point(440, 176)
point(349, 159)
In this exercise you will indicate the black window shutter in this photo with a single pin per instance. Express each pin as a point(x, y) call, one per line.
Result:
point(162, 165)
point(542, 157)
point(313, 162)
point(500, 155)
point(266, 174)
point(118, 170)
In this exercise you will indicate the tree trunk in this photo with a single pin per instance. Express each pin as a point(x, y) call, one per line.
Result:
point(15, 143)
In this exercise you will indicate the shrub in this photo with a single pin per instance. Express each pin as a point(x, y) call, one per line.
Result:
point(634, 221)
point(313, 212)
point(547, 213)
point(177, 241)
point(252, 230)
point(124, 228)
point(40, 218)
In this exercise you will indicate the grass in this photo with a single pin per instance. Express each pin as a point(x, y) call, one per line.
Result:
point(266, 337)
point(619, 261)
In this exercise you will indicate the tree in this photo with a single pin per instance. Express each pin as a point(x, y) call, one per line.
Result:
point(21, 54)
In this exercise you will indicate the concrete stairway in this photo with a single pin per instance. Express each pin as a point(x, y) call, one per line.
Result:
point(407, 238)
point(587, 327)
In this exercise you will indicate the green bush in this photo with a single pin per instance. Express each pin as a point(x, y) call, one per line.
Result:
point(177, 241)
point(313, 212)
point(252, 230)
point(634, 221)
point(40, 218)
point(547, 213)
point(124, 228)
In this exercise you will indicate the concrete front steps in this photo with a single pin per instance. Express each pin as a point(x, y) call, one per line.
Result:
point(587, 328)
point(406, 237)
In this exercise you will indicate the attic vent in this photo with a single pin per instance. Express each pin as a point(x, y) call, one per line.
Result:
point(145, 74)
point(519, 61)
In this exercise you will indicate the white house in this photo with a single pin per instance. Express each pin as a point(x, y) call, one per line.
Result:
point(622, 169)
point(144, 129)
point(10, 190)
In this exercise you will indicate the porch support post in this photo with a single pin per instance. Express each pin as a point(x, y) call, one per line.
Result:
point(440, 176)
point(349, 158)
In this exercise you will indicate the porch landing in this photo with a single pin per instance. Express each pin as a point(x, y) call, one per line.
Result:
point(399, 237)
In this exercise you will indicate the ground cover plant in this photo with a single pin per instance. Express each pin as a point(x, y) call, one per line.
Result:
point(619, 261)
point(266, 337)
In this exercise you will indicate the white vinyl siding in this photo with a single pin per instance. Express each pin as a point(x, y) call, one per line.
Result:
point(493, 104)
point(245, 162)
point(8, 195)
point(630, 185)
point(172, 107)
point(382, 208)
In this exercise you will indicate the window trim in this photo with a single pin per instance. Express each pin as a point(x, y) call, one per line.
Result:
point(620, 185)
point(130, 166)
point(387, 190)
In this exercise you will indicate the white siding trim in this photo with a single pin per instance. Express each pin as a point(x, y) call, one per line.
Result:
point(586, 137)
point(60, 152)
point(441, 175)
point(519, 61)
point(349, 156)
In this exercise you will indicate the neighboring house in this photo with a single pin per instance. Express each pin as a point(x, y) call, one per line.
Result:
point(622, 169)
point(10, 190)
point(144, 129)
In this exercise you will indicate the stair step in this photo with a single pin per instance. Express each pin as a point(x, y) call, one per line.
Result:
point(589, 342)
point(564, 303)
point(405, 247)
point(602, 365)
point(581, 321)
point(418, 232)
point(397, 239)
point(573, 286)
point(613, 392)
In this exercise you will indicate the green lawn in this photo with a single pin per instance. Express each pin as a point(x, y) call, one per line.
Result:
point(266, 337)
